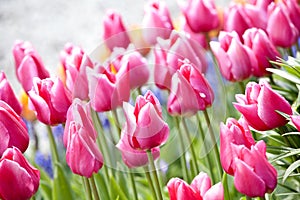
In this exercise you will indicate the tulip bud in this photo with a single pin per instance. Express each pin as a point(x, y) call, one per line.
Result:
point(256, 109)
point(13, 131)
point(50, 99)
point(7, 94)
point(19, 179)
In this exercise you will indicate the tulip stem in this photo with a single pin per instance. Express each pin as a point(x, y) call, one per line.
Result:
point(133, 185)
point(53, 147)
point(242, 86)
point(214, 142)
point(148, 176)
point(154, 173)
point(195, 165)
point(225, 186)
point(248, 198)
point(182, 158)
point(208, 161)
point(117, 122)
point(94, 188)
point(87, 188)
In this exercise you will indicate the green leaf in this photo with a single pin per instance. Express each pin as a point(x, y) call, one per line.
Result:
point(61, 186)
point(101, 185)
point(285, 75)
point(285, 155)
point(290, 170)
point(46, 189)
point(116, 191)
point(291, 133)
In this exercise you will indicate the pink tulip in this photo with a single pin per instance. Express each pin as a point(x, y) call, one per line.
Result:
point(199, 189)
point(196, 13)
point(293, 10)
point(256, 108)
point(236, 60)
point(28, 64)
point(134, 157)
point(137, 67)
point(168, 56)
point(108, 87)
point(114, 31)
point(144, 124)
point(296, 121)
point(82, 155)
point(75, 62)
point(19, 179)
point(233, 133)
point(280, 28)
point(80, 112)
point(13, 131)
point(254, 175)
point(50, 99)
point(156, 22)
point(263, 49)
point(7, 94)
point(190, 91)
point(197, 37)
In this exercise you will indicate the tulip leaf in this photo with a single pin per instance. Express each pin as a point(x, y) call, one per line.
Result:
point(285, 75)
point(101, 184)
point(61, 186)
point(291, 133)
point(290, 170)
point(116, 191)
point(46, 190)
point(285, 155)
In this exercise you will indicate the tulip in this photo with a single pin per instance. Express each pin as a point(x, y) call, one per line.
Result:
point(190, 91)
point(196, 13)
point(7, 94)
point(50, 99)
point(144, 124)
point(236, 60)
point(280, 28)
point(263, 49)
point(199, 189)
point(82, 155)
point(28, 64)
point(137, 67)
point(156, 22)
point(256, 108)
point(108, 87)
point(169, 53)
point(114, 31)
point(134, 157)
point(13, 131)
point(19, 179)
point(237, 133)
point(75, 62)
point(293, 10)
point(80, 112)
point(254, 175)
point(296, 121)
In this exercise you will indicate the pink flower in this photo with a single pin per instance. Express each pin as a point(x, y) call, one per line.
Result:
point(236, 60)
point(75, 62)
point(144, 125)
point(190, 91)
point(168, 56)
point(7, 94)
point(50, 99)
point(156, 22)
point(257, 110)
point(263, 49)
point(28, 64)
point(237, 133)
point(199, 189)
point(114, 31)
point(196, 13)
point(19, 179)
point(280, 28)
point(254, 175)
point(134, 157)
point(197, 37)
point(13, 131)
point(296, 121)
point(108, 87)
point(293, 10)
point(82, 155)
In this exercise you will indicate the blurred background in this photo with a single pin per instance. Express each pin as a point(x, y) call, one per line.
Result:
point(49, 25)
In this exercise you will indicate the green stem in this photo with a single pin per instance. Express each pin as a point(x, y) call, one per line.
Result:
point(115, 115)
point(148, 176)
point(214, 142)
point(225, 186)
point(248, 198)
point(94, 188)
point(133, 185)
point(208, 161)
point(154, 174)
point(262, 198)
point(87, 188)
point(194, 157)
point(242, 86)
point(53, 147)
point(183, 162)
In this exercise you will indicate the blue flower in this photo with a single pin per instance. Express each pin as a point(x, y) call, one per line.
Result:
point(45, 162)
